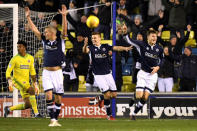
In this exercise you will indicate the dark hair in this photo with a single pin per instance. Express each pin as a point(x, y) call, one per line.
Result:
point(96, 33)
point(151, 32)
point(23, 43)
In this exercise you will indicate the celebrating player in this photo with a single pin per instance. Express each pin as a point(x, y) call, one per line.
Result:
point(22, 64)
point(101, 68)
point(151, 60)
point(52, 77)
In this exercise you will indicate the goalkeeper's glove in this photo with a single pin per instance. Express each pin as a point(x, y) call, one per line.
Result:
point(35, 84)
point(10, 83)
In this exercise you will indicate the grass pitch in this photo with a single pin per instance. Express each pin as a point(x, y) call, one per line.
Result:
point(77, 124)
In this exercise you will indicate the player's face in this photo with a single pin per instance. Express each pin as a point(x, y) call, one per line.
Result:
point(96, 40)
point(152, 38)
point(48, 33)
point(122, 2)
point(21, 48)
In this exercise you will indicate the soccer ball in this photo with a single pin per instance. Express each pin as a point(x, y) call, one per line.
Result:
point(92, 21)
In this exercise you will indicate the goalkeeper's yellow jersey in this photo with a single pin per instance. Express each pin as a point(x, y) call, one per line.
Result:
point(22, 67)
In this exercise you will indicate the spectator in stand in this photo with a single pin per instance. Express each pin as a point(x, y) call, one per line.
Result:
point(122, 20)
point(73, 14)
point(192, 17)
point(90, 3)
point(154, 6)
point(70, 77)
point(175, 45)
point(123, 4)
point(166, 73)
point(78, 55)
point(80, 26)
point(177, 15)
point(188, 70)
point(138, 25)
point(104, 15)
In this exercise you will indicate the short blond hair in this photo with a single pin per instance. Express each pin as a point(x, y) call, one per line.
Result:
point(52, 29)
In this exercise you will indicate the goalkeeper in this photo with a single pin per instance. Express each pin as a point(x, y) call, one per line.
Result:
point(22, 64)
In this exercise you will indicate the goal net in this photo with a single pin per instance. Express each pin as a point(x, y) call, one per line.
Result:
point(14, 27)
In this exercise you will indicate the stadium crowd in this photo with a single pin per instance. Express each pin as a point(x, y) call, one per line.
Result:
point(175, 21)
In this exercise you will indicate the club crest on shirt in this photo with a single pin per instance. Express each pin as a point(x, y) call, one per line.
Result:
point(147, 48)
point(157, 50)
point(95, 49)
point(104, 49)
point(28, 61)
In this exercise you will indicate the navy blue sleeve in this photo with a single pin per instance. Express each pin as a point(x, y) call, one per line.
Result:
point(161, 58)
point(135, 43)
point(109, 47)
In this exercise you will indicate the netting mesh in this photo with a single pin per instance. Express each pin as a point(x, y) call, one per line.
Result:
point(6, 43)
point(41, 20)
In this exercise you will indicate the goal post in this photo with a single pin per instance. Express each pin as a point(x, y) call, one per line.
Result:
point(14, 18)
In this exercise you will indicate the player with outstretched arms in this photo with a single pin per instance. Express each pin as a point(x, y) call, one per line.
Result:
point(101, 68)
point(151, 54)
point(52, 76)
point(22, 66)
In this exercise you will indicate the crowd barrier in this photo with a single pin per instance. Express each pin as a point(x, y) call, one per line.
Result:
point(160, 106)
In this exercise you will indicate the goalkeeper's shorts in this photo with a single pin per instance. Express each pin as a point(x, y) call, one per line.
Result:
point(23, 89)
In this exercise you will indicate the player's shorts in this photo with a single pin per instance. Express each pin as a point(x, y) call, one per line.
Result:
point(146, 81)
point(53, 80)
point(23, 88)
point(105, 82)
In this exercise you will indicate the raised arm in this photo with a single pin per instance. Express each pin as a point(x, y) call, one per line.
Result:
point(128, 40)
point(31, 24)
point(85, 49)
point(64, 12)
point(122, 48)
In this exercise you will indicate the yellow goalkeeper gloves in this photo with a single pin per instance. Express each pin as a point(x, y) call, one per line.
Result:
point(11, 84)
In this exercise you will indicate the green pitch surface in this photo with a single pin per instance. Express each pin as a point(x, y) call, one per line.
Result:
point(32, 124)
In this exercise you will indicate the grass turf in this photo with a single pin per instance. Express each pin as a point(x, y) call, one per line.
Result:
point(77, 124)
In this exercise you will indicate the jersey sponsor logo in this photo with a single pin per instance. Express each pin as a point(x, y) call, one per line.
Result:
point(53, 47)
point(100, 56)
point(24, 66)
point(151, 55)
